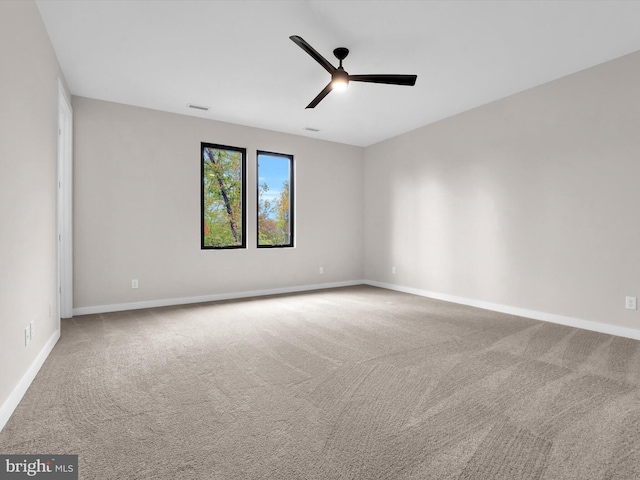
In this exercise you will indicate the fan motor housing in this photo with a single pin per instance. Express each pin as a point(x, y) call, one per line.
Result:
point(340, 76)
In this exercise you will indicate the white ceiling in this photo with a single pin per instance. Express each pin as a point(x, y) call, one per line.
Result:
point(236, 56)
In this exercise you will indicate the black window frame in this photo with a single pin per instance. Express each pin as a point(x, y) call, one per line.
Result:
point(291, 243)
point(243, 197)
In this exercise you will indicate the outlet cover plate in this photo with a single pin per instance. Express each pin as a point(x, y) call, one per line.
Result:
point(631, 303)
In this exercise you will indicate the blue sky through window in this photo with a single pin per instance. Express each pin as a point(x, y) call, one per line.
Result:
point(274, 171)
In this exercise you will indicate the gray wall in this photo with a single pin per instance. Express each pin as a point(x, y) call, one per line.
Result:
point(531, 201)
point(28, 126)
point(137, 209)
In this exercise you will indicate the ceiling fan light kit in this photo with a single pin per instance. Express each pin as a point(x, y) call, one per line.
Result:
point(340, 78)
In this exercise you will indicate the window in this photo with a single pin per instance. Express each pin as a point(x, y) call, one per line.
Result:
point(223, 180)
point(275, 200)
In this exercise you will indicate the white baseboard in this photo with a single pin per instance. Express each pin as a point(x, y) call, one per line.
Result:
point(208, 298)
point(18, 392)
point(521, 312)
point(496, 307)
point(20, 389)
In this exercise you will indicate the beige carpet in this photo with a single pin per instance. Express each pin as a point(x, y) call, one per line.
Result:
point(353, 383)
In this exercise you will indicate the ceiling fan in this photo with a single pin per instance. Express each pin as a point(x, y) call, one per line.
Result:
point(339, 78)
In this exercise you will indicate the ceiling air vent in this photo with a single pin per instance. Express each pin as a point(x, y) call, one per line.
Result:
point(312, 129)
point(197, 107)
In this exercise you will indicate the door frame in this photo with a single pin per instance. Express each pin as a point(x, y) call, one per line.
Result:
point(64, 202)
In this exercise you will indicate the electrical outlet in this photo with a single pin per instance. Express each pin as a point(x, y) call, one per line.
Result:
point(134, 283)
point(27, 336)
point(393, 270)
point(321, 271)
point(631, 303)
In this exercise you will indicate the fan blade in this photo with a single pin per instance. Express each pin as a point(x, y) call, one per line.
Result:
point(320, 96)
point(311, 51)
point(409, 80)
